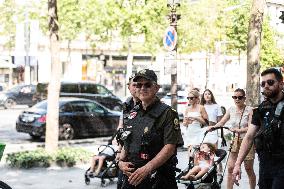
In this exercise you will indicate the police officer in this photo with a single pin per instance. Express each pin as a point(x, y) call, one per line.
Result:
point(148, 157)
point(128, 105)
point(267, 131)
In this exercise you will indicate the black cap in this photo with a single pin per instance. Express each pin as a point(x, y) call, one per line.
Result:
point(131, 78)
point(147, 74)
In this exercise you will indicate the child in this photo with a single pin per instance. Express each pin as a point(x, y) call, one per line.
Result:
point(98, 160)
point(203, 159)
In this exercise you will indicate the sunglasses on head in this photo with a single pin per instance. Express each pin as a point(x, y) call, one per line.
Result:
point(238, 97)
point(190, 98)
point(146, 85)
point(270, 82)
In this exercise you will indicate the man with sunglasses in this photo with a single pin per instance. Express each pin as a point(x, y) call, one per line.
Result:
point(149, 152)
point(128, 105)
point(267, 131)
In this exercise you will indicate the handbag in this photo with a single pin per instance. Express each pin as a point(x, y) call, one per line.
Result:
point(236, 140)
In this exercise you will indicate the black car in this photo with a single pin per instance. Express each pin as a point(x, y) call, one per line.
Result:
point(20, 94)
point(83, 89)
point(77, 118)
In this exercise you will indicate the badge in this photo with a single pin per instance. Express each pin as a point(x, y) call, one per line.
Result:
point(132, 115)
point(176, 124)
point(146, 130)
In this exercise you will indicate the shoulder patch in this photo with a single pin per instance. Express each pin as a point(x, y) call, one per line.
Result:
point(176, 124)
point(174, 110)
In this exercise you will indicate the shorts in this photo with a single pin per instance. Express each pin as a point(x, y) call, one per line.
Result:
point(236, 147)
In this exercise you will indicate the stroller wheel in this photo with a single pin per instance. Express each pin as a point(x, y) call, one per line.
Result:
point(87, 181)
point(103, 183)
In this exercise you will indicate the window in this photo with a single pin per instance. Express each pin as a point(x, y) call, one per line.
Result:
point(93, 107)
point(89, 88)
point(66, 108)
point(78, 107)
point(69, 88)
point(103, 90)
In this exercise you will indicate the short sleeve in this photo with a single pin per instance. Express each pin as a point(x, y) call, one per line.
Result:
point(171, 128)
point(256, 117)
point(219, 111)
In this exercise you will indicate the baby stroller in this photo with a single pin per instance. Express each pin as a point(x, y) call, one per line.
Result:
point(109, 169)
point(210, 179)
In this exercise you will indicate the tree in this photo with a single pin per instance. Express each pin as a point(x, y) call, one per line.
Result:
point(253, 52)
point(52, 127)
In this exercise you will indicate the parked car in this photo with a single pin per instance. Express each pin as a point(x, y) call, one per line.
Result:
point(182, 102)
point(83, 89)
point(77, 118)
point(20, 94)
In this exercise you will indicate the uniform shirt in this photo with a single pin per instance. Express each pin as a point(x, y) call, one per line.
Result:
point(170, 127)
point(266, 109)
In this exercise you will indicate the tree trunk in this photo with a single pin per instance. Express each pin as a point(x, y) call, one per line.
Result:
point(51, 139)
point(253, 52)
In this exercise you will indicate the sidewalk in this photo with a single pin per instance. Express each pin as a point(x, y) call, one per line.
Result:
point(73, 178)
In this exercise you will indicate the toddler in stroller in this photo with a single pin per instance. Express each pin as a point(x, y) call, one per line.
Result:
point(103, 165)
point(204, 175)
point(203, 159)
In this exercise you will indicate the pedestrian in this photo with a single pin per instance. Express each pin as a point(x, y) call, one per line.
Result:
point(267, 131)
point(215, 114)
point(152, 133)
point(195, 117)
point(238, 118)
point(128, 105)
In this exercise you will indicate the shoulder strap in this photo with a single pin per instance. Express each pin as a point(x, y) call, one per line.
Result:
point(279, 109)
point(158, 110)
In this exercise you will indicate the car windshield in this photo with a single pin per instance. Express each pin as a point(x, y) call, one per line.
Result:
point(15, 89)
point(41, 105)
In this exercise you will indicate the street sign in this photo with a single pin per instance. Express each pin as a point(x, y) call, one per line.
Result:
point(170, 38)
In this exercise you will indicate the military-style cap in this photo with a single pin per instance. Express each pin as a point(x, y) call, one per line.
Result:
point(131, 78)
point(147, 74)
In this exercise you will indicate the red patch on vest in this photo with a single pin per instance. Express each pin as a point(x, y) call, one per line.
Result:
point(132, 115)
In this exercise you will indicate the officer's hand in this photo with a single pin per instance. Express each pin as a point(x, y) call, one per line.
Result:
point(237, 174)
point(139, 175)
point(126, 167)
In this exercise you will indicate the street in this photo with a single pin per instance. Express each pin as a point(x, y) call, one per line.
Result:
point(57, 177)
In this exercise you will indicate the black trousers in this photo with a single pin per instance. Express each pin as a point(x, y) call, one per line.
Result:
point(272, 180)
point(162, 180)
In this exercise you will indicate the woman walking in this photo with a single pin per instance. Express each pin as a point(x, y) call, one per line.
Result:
point(238, 116)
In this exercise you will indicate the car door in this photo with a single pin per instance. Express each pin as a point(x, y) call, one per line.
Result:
point(25, 94)
point(97, 119)
point(79, 118)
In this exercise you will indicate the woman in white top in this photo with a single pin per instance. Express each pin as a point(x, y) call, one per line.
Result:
point(214, 114)
point(195, 117)
point(239, 117)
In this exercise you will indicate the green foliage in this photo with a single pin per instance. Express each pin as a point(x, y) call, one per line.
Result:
point(270, 55)
point(28, 159)
point(69, 156)
point(40, 158)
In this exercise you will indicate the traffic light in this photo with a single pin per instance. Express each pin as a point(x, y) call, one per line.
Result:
point(282, 17)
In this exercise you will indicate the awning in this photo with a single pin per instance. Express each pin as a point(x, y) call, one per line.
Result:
point(6, 64)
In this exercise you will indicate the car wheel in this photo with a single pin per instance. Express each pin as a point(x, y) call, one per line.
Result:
point(35, 137)
point(66, 132)
point(9, 103)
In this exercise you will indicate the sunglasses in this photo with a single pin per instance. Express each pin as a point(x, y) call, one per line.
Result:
point(270, 82)
point(238, 97)
point(146, 85)
point(191, 98)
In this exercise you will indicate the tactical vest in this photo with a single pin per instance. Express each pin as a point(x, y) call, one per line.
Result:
point(144, 134)
point(270, 137)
